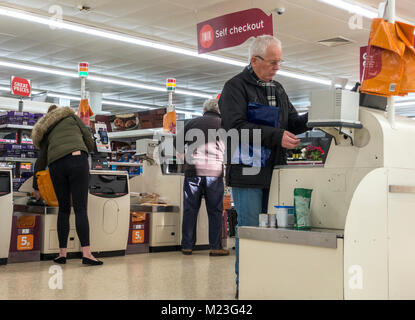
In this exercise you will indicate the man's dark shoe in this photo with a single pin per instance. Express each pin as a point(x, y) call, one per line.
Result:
point(237, 294)
point(219, 252)
point(187, 252)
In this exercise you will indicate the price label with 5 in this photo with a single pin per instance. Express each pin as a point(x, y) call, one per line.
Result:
point(25, 242)
point(138, 236)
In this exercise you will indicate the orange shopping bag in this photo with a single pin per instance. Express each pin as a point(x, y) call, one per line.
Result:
point(85, 112)
point(383, 75)
point(26, 222)
point(169, 122)
point(46, 189)
point(405, 33)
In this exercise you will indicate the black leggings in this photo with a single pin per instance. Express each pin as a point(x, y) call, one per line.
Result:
point(70, 176)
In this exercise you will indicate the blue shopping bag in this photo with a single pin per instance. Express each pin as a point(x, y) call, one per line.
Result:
point(263, 115)
point(250, 155)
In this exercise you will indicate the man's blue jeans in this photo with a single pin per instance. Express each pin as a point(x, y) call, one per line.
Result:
point(249, 203)
point(193, 188)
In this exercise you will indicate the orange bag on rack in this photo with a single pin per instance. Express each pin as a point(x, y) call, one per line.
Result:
point(405, 33)
point(169, 122)
point(46, 189)
point(85, 112)
point(137, 217)
point(383, 75)
point(26, 222)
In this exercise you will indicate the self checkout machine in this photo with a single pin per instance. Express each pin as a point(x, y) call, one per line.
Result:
point(109, 212)
point(48, 234)
point(108, 216)
point(108, 201)
point(166, 180)
point(362, 205)
point(6, 216)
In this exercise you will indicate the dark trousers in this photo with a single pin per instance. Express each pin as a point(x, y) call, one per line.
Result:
point(70, 176)
point(193, 188)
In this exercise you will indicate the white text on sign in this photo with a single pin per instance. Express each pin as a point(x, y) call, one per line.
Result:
point(235, 30)
point(21, 87)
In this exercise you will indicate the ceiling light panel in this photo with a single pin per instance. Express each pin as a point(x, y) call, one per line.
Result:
point(126, 83)
point(4, 11)
point(111, 35)
point(352, 8)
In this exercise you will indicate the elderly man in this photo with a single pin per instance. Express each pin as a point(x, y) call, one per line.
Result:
point(255, 89)
point(203, 177)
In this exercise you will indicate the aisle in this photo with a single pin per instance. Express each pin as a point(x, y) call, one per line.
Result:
point(166, 275)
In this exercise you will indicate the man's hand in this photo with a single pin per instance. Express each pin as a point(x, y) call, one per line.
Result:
point(37, 195)
point(289, 140)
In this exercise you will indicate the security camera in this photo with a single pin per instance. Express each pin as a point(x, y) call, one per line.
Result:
point(280, 10)
point(83, 8)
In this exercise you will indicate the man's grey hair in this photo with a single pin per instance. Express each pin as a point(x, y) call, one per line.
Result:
point(211, 105)
point(260, 45)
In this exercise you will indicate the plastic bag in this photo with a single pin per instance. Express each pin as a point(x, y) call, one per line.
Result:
point(85, 112)
point(384, 74)
point(391, 71)
point(169, 122)
point(302, 216)
point(26, 222)
point(137, 217)
point(149, 198)
point(405, 33)
point(46, 189)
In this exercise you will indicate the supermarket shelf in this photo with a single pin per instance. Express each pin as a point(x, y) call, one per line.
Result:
point(15, 126)
point(125, 164)
point(15, 142)
point(33, 160)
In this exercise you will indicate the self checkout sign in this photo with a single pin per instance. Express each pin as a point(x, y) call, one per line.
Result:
point(20, 87)
point(233, 29)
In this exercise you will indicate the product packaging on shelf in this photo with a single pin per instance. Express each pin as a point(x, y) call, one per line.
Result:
point(8, 137)
point(11, 117)
point(19, 118)
point(151, 118)
point(302, 204)
point(10, 150)
point(18, 150)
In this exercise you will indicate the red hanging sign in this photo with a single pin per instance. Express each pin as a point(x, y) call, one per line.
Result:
point(232, 29)
point(20, 87)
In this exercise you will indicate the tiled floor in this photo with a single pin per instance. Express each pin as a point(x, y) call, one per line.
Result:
point(166, 275)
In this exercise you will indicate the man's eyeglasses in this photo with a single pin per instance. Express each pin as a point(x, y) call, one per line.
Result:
point(272, 62)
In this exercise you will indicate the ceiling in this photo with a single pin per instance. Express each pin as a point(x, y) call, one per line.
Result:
point(304, 23)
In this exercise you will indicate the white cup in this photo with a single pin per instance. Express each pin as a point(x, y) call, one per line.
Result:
point(272, 220)
point(263, 220)
point(284, 219)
